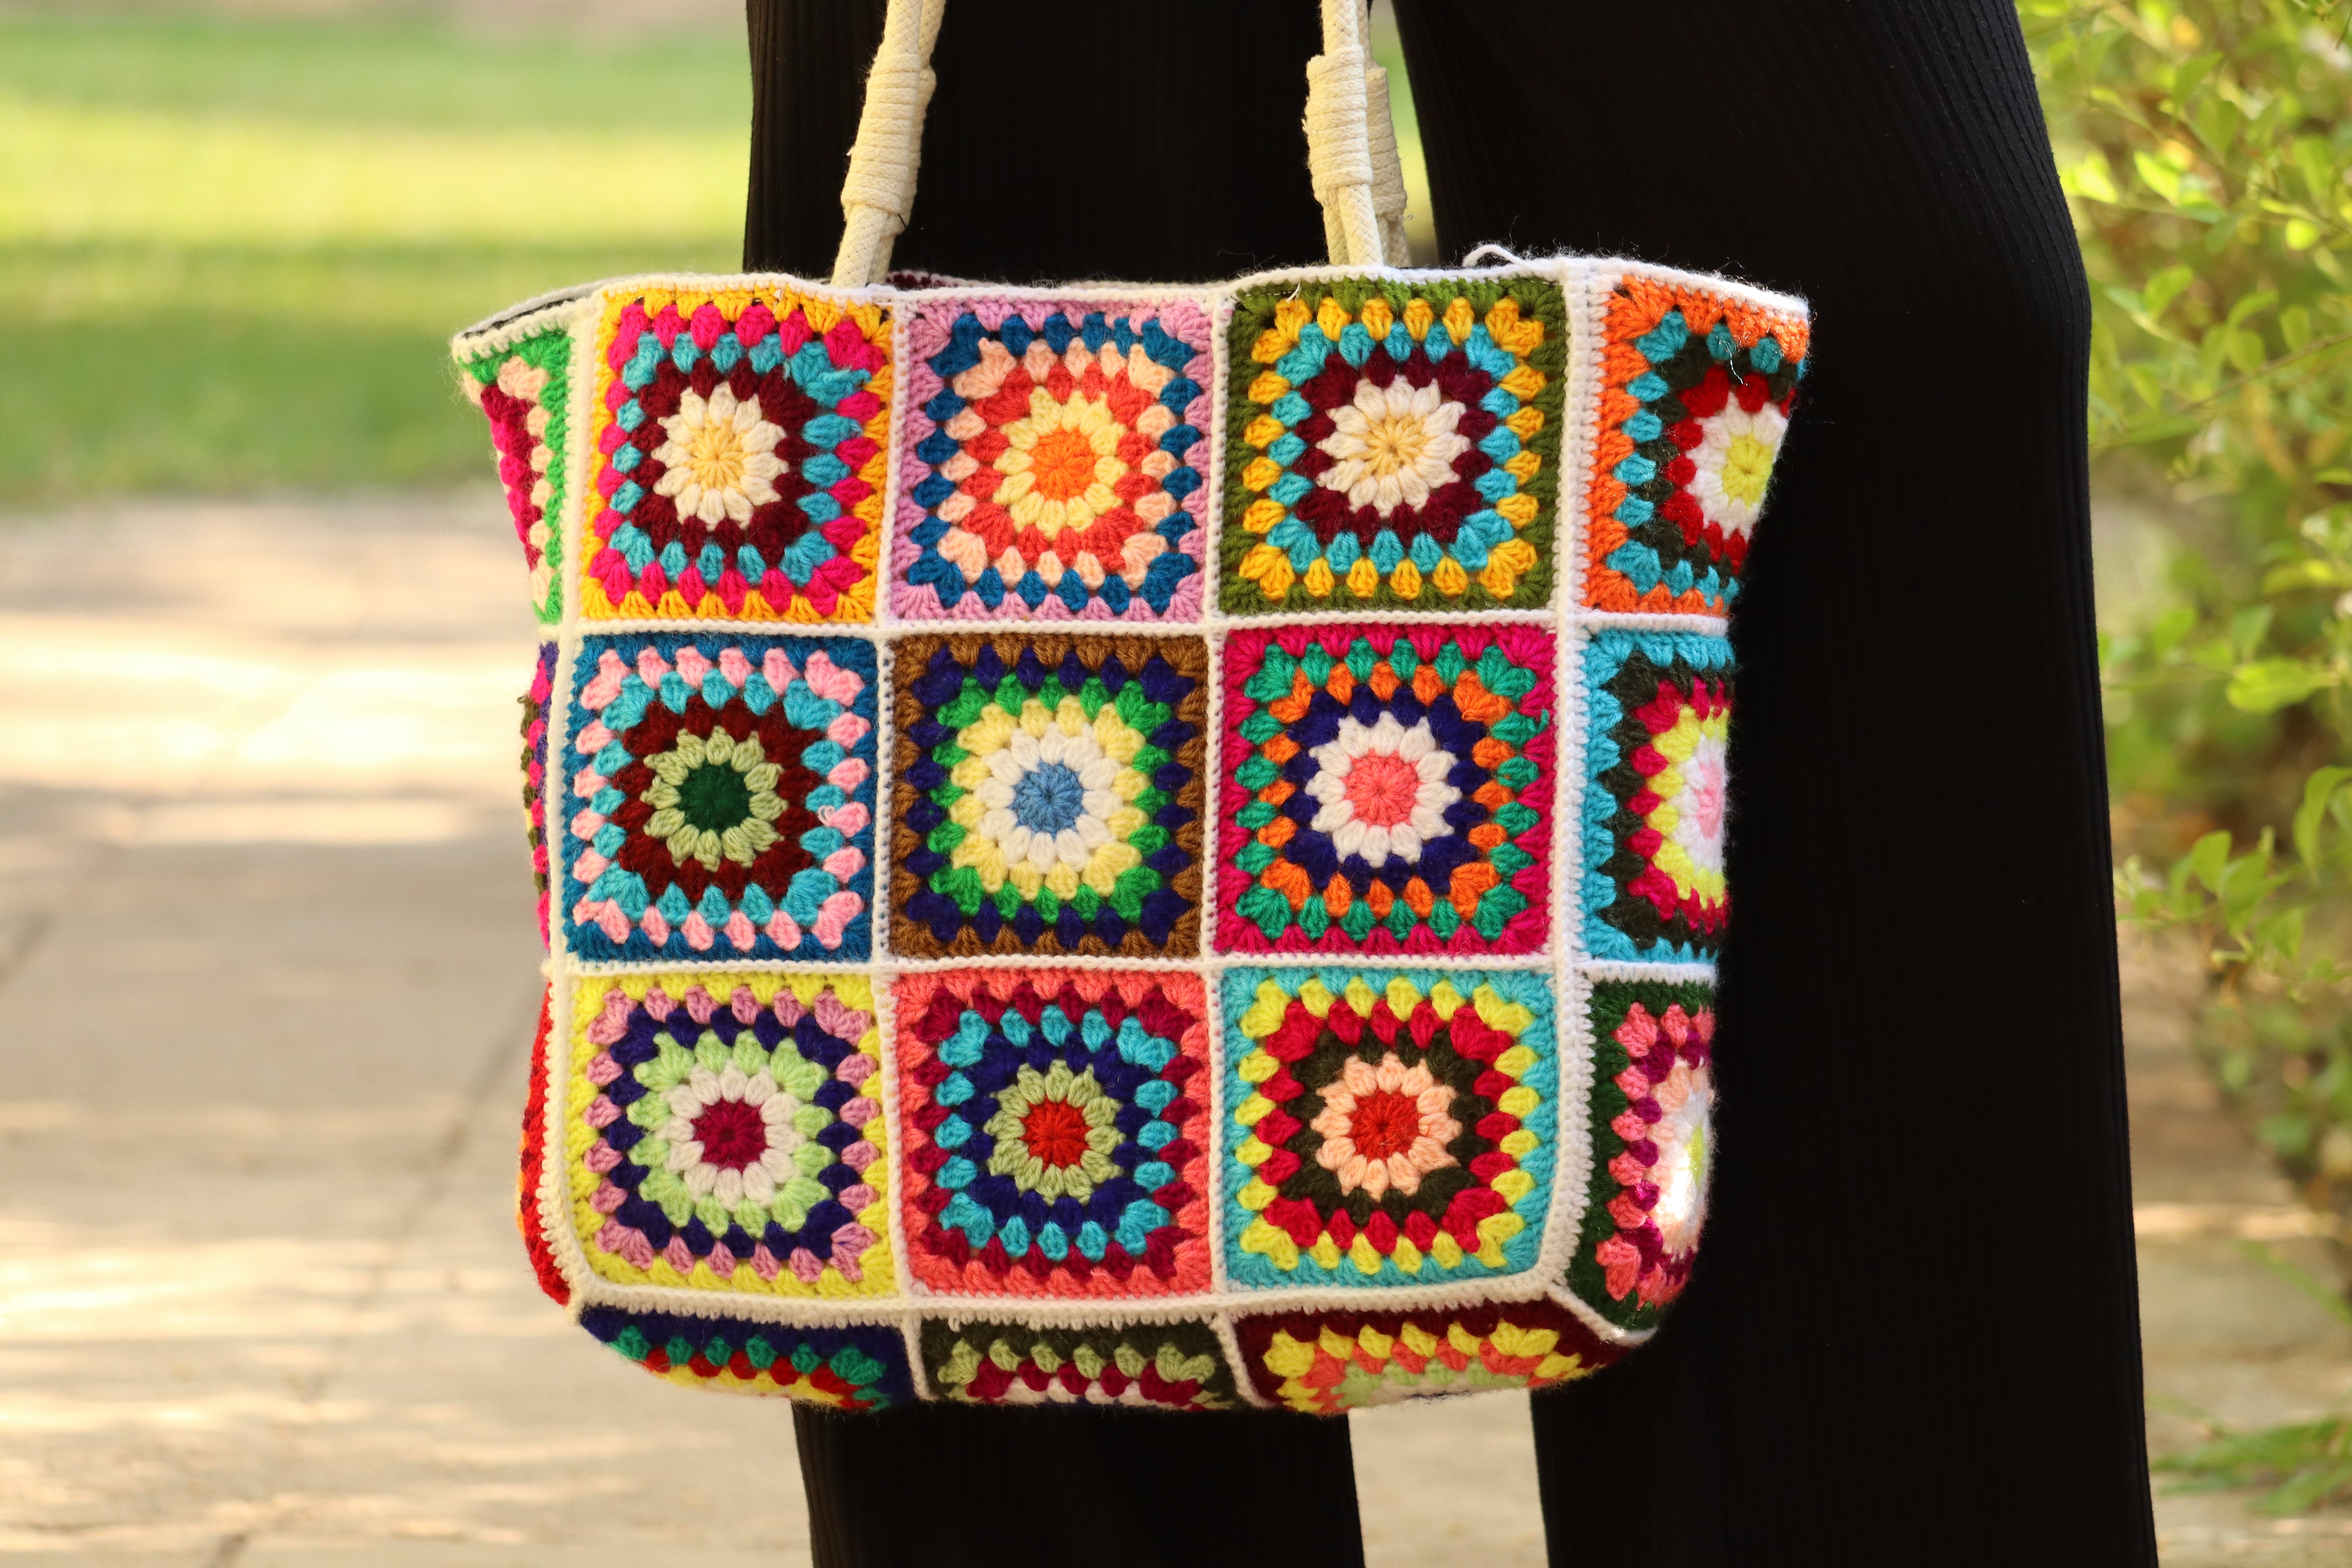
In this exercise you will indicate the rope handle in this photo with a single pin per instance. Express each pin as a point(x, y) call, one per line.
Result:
point(1351, 152)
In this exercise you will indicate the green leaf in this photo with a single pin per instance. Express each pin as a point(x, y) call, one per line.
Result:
point(2092, 179)
point(2208, 857)
point(2218, 121)
point(2164, 287)
point(2317, 790)
point(2248, 627)
point(2314, 159)
point(2164, 632)
point(2267, 685)
point(2189, 75)
point(2295, 325)
point(2251, 305)
point(2307, 572)
point(2157, 176)
point(2247, 352)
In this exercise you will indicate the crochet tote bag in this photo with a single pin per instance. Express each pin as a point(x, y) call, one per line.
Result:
point(1134, 845)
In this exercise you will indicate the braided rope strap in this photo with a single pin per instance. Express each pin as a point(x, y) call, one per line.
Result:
point(878, 193)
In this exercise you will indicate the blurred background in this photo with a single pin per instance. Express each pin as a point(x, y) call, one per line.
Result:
point(266, 967)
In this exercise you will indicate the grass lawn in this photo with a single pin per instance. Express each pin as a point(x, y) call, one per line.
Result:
point(231, 252)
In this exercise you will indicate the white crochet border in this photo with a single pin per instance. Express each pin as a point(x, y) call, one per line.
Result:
point(1586, 284)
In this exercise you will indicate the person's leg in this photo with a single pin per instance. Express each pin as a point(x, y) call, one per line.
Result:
point(1066, 138)
point(957, 1487)
point(1912, 1336)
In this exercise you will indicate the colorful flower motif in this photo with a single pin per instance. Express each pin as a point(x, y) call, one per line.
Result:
point(534, 774)
point(1393, 789)
point(1696, 394)
point(1659, 712)
point(743, 440)
point(1653, 1136)
point(522, 391)
point(1326, 1364)
point(720, 457)
point(1054, 458)
point(725, 791)
point(1048, 796)
point(1385, 1126)
point(852, 1368)
point(1147, 1366)
point(1398, 445)
point(1057, 1143)
point(725, 1133)
point(1395, 1125)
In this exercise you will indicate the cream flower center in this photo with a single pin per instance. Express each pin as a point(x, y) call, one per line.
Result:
point(721, 457)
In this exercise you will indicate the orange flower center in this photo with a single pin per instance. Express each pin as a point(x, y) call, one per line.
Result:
point(1385, 1122)
point(1056, 1133)
point(1381, 789)
point(1062, 464)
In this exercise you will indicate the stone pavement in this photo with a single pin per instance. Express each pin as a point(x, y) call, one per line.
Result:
point(266, 974)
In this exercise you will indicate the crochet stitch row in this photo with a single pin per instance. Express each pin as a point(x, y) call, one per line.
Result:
point(896, 1046)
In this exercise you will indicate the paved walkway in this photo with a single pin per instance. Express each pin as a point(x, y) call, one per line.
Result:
point(265, 976)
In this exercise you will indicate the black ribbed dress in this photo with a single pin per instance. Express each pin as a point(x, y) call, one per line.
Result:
point(1912, 1337)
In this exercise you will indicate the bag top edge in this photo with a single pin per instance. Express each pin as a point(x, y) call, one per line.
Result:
point(501, 328)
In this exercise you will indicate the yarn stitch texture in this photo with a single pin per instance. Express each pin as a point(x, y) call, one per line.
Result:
point(1653, 1141)
point(1659, 713)
point(1057, 1130)
point(1328, 1364)
point(1149, 1366)
point(842, 1369)
point(1396, 445)
point(1696, 398)
point(742, 439)
point(1396, 1124)
point(725, 1133)
point(891, 1049)
point(522, 391)
point(534, 774)
point(1395, 783)
point(722, 792)
point(1053, 462)
point(1049, 795)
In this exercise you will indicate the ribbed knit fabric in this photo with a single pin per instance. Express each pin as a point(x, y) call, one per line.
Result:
point(1067, 139)
point(1912, 1336)
point(1913, 1333)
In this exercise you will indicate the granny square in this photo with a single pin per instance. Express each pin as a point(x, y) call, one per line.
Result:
point(1327, 1363)
point(535, 704)
point(743, 442)
point(1163, 1366)
point(1047, 795)
point(724, 1133)
point(1653, 1138)
point(1696, 390)
point(522, 391)
point(1393, 445)
point(1392, 786)
point(1057, 1130)
point(721, 789)
point(1658, 722)
point(858, 1368)
point(1053, 461)
point(1388, 1127)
